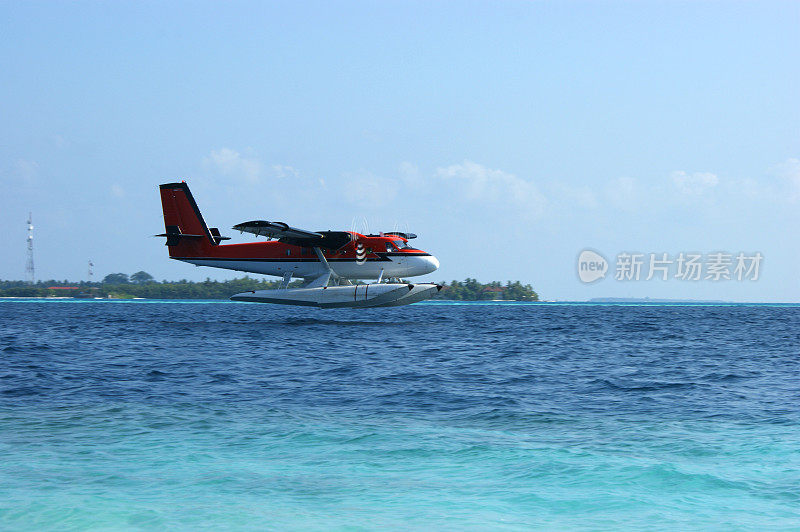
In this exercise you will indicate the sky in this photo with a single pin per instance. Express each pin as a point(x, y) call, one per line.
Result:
point(510, 136)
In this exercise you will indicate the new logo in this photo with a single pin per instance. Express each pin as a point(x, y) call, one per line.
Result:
point(592, 266)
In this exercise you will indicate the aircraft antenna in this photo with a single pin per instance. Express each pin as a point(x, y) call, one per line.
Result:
point(30, 272)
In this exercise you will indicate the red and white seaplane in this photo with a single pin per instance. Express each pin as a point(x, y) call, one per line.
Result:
point(327, 261)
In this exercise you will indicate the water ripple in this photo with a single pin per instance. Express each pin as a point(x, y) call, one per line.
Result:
point(217, 415)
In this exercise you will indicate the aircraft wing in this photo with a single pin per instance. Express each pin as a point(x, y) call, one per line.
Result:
point(275, 230)
point(295, 236)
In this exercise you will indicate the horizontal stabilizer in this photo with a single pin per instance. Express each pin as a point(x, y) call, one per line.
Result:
point(216, 236)
point(174, 235)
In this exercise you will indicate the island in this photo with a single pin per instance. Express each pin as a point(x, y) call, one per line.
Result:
point(142, 285)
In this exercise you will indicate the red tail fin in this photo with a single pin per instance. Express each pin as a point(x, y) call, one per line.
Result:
point(187, 233)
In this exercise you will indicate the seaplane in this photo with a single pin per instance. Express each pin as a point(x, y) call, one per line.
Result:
point(331, 264)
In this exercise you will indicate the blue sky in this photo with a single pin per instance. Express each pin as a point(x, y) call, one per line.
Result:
point(510, 136)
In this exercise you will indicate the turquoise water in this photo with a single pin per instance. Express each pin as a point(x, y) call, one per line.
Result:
point(179, 415)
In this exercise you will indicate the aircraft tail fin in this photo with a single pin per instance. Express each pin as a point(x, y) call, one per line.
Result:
point(186, 231)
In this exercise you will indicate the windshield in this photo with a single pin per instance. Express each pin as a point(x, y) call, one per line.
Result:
point(394, 245)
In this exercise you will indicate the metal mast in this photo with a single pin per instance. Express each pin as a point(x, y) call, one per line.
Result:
point(29, 266)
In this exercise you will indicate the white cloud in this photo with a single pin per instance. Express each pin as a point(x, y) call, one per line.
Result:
point(789, 173)
point(231, 163)
point(409, 174)
point(572, 196)
point(624, 193)
point(694, 184)
point(26, 170)
point(477, 183)
point(779, 186)
point(745, 187)
point(282, 171)
point(367, 190)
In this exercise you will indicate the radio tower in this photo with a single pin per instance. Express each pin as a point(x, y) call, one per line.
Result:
point(29, 266)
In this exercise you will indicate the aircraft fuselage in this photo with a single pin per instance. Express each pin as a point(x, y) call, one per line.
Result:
point(277, 258)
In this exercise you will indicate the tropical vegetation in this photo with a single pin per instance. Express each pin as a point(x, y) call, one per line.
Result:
point(142, 284)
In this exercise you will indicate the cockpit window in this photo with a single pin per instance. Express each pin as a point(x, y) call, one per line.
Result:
point(395, 245)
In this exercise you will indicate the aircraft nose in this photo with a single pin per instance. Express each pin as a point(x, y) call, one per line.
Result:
point(429, 264)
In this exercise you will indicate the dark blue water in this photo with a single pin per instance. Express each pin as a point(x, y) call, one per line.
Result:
point(186, 415)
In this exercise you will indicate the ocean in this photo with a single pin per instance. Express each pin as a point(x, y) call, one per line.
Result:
point(185, 415)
